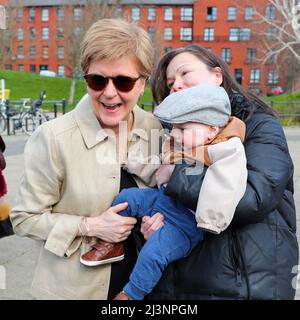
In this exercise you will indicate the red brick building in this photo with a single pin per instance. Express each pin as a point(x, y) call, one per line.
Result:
point(39, 39)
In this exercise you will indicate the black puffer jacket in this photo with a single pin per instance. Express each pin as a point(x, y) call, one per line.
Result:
point(254, 257)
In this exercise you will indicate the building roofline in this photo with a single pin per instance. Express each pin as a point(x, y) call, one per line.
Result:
point(48, 3)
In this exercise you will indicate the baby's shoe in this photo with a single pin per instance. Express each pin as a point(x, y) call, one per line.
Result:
point(102, 253)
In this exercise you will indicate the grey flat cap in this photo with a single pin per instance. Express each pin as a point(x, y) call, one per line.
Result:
point(204, 103)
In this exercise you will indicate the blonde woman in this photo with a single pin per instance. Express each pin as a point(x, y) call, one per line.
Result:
point(74, 168)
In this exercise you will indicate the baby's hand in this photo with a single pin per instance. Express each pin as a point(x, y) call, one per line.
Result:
point(163, 174)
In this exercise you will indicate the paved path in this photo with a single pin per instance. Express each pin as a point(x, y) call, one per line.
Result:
point(18, 255)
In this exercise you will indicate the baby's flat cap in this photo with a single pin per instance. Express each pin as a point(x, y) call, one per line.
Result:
point(205, 103)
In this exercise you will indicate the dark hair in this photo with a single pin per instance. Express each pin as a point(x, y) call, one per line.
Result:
point(160, 89)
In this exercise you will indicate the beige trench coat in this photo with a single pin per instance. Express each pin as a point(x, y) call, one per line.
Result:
point(71, 171)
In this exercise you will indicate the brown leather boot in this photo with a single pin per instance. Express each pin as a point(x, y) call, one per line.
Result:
point(122, 296)
point(102, 253)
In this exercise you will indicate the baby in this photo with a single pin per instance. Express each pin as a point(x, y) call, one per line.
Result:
point(203, 134)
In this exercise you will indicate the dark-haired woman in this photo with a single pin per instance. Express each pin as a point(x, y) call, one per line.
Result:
point(256, 257)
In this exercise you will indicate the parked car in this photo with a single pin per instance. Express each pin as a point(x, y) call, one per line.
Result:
point(47, 73)
point(275, 91)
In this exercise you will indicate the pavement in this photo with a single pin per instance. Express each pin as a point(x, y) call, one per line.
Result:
point(18, 255)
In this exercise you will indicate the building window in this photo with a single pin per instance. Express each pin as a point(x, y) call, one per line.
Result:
point(270, 12)
point(45, 33)
point(272, 33)
point(238, 75)
point(8, 67)
point(135, 14)
point(273, 76)
point(231, 13)
point(21, 67)
point(167, 49)
point(168, 14)
point(186, 14)
point(77, 31)
point(186, 34)
point(77, 13)
point(208, 49)
point(211, 14)
point(45, 52)
point(20, 54)
point(249, 12)
point(239, 34)
point(32, 68)
point(251, 55)
point(45, 15)
point(61, 70)
point(32, 33)
point(118, 11)
point(226, 54)
point(60, 33)
point(254, 76)
point(272, 57)
point(20, 34)
point(60, 13)
point(44, 67)
point(151, 14)
point(152, 33)
point(209, 34)
point(32, 52)
point(60, 52)
point(168, 33)
point(19, 14)
point(31, 14)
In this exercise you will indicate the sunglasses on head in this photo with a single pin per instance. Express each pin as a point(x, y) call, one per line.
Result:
point(122, 83)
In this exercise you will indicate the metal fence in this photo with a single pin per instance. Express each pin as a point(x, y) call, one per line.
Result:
point(287, 109)
point(13, 111)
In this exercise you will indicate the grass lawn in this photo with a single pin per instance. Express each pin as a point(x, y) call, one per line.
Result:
point(28, 85)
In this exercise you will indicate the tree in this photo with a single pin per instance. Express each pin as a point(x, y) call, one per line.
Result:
point(7, 36)
point(77, 19)
point(278, 28)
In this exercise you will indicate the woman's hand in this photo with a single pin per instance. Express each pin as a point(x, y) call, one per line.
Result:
point(163, 174)
point(151, 224)
point(110, 226)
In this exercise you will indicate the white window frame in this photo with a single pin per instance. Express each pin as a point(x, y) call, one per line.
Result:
point(168, 33)
point(20, 34)
point(61, 52)
point(231, 13)
point(77, 13)
point(60, 13)
point(45, 33)
point(209, 34)
point(213, 15)
point(251, 55)
point(249, 13)
point(270, 12)
point(168, 14)
point(151, 14)
point(136, 13)
point(254, 76)
point(20, 52)
point(61, 70)
point(273, 77)
point(186, 14)
point(32, 33)
point(45, 52)
point(45, 14)
point(32, 52)
point(226, 54)
point(186, 34)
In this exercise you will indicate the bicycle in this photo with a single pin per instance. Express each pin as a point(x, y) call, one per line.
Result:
point(28, 116)
point(34, 116)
